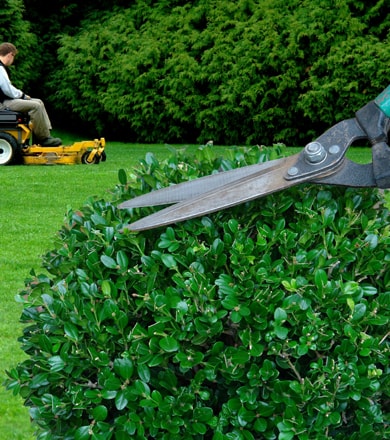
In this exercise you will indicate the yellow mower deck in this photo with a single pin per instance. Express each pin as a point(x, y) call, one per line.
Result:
point(84, 152)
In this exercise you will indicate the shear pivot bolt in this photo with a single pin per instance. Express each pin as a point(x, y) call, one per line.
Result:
point(315, 152)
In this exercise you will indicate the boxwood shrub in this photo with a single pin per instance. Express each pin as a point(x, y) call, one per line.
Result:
point(264, 321)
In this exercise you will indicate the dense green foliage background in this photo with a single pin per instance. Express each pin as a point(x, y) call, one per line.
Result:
point(255, 71)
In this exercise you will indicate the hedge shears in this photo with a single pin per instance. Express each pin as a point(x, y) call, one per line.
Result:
point(322, 161)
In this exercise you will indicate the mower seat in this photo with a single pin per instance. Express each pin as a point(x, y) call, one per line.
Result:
point(10, 119)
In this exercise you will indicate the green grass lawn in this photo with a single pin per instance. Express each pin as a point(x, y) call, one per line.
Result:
point(32, 207)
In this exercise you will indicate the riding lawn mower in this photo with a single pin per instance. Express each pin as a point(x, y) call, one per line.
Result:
point(17, 147)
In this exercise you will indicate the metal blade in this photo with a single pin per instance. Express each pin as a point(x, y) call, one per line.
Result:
point(260, 183)
point(193, 188)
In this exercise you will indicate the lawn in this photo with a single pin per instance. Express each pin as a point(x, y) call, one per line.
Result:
point(33, 204)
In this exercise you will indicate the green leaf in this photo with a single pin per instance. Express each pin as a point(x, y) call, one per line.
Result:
point(121, 400)
point(107, 310)
point(351, 288)
point(199, 428)
point(260, 425)
point(122, 260)
point(71, 331)
point(245, 416)
point(217, 246)
point(369, 290)
point(359, 311)
point(100, 413)
point(56, 363)
point(157, 397)
point(151, 159)
point(82, 433)
point(267, 371)
point(286, 435)
point(233, 225)
point(265, 409)
point(122, 176)
point(169, 261)
point(142, 388)
point(150, 180)
point(203, 414)
point(235, 316)
point(112, 383)
point(108, 394)
point(106, 288)
point(230, 301)
point(148, 403)
point(124, 367)
point(144, 373)
point(280, 315)
point(320, 278)
point(169, 344)
point(45, 343)
point(156, 360)
point(94, 395)
point(182, 306)
point(351, 304)
point(335, 418)
point(240, 357)
point(248, 394)
point(121, 320)
point(109, 232)
point(372, 240)
point(280, 331)
point(39, 380)
point(108, 262)
point(329, 215)
point(98, 219)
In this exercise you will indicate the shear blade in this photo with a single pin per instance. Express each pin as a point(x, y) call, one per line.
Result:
point(193, 188)
point(268, 178)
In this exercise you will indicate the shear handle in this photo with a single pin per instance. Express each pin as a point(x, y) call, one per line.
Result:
point(380, 164)
point(376, 124)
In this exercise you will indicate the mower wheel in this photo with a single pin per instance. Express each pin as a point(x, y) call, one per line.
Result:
point(9, 150)
point(85, 161)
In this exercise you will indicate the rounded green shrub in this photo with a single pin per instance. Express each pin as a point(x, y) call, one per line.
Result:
point(269, 320)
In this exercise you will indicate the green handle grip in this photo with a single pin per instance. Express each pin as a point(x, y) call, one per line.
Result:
point(383, 101)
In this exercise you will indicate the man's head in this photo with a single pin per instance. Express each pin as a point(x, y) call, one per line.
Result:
point(7, 53)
